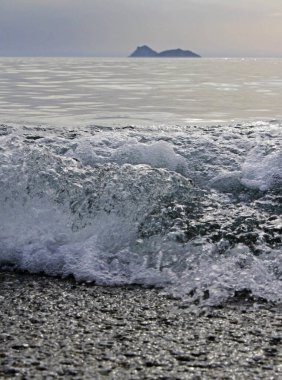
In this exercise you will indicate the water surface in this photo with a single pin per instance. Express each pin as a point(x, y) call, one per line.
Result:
point(139, 91)
point(152, 172)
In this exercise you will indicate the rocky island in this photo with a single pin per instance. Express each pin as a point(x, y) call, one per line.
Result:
point(146, 52)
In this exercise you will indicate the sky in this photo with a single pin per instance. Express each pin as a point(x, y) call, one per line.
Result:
point(211, 28)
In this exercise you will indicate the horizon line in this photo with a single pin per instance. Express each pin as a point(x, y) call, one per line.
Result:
point(122, 56)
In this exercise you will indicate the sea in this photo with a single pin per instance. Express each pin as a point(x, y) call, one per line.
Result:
point(164, 173)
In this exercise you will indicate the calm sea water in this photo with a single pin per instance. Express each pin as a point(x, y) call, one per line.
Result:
point(140, 91)
point(164, 172)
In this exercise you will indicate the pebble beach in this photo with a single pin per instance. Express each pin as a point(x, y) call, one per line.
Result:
point(56, 328)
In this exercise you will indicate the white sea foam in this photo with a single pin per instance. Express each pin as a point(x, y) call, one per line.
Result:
point(262, 170)
point(159, 154)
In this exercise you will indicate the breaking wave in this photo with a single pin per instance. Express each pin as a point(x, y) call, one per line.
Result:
point(195, 210)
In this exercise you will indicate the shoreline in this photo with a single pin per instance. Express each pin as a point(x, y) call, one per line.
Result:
point(55, 328)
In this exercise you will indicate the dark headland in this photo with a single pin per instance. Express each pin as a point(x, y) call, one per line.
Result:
point(146, 52)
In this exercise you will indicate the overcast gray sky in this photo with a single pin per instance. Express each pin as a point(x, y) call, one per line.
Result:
point(115, 27)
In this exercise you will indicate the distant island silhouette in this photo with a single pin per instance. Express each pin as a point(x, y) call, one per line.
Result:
point(146, 52)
